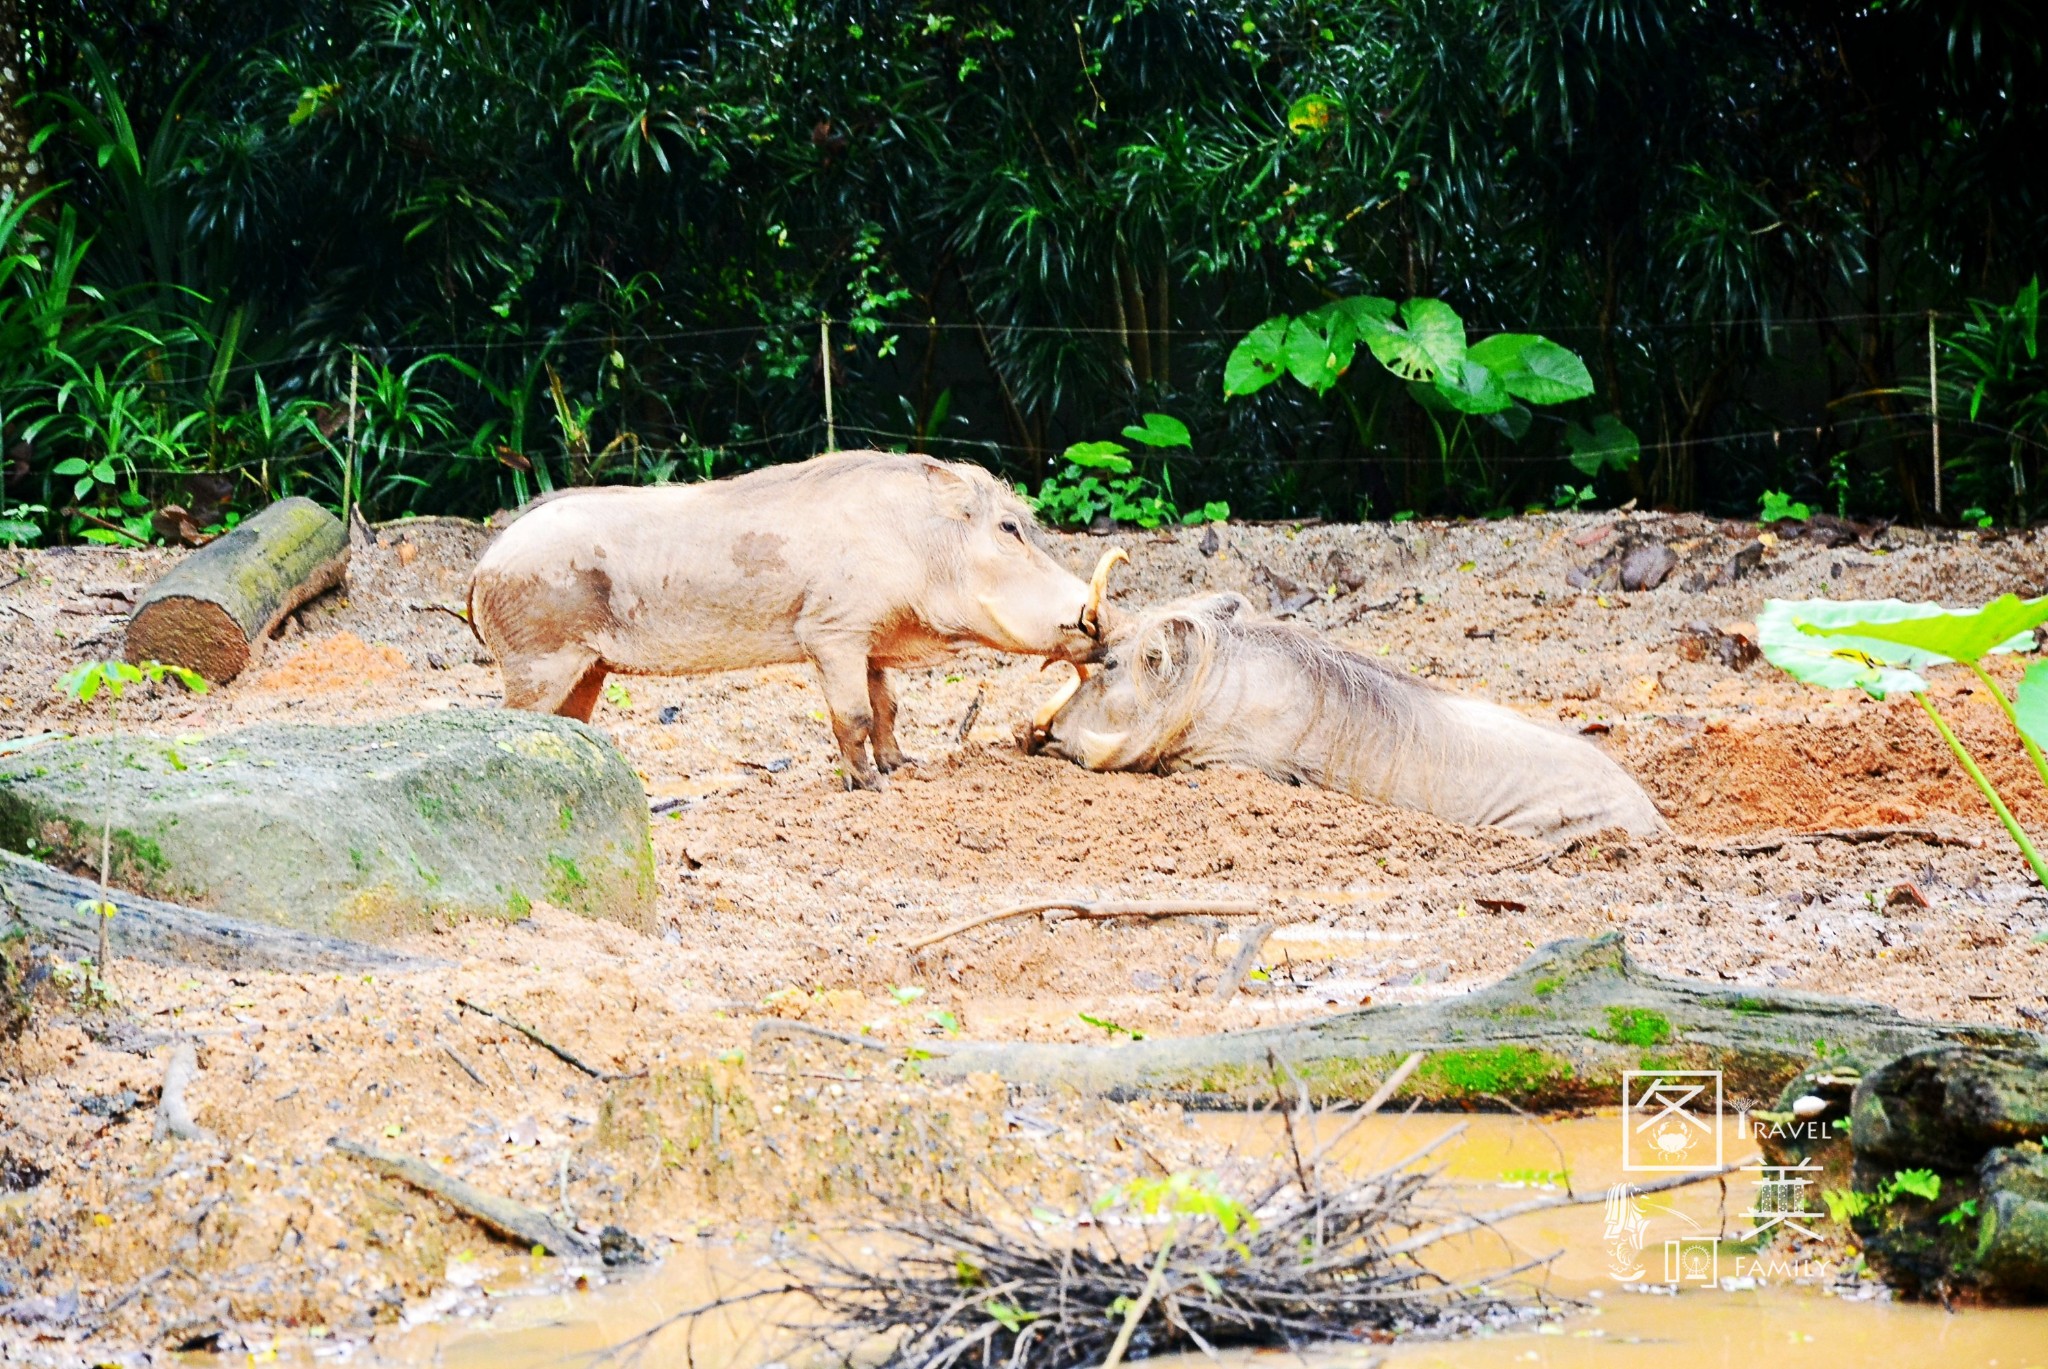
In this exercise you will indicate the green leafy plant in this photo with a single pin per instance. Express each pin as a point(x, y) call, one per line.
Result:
point(1113, 1028)
point(19, 525)
point(1843, 1204)
point(83, 683)
point(1882, 646)
point(1923, 1184)
point(1185, 1195)
point(1100, 477)
point(1960, 1213)
point(1422, 344)
point(1780, 507)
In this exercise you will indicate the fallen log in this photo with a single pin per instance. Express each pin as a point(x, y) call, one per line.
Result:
point(1557, 1033)
point(511, 1220)
point(48, 903)
point(214, 610)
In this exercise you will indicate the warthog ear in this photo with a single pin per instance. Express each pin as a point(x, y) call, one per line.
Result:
point(1168, 648)
point(952, 492)
point(1226, 606)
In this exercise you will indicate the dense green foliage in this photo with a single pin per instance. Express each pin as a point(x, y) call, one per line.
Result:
point(551, 242)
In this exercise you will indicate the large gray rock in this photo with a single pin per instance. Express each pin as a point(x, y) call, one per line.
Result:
point(354, 830)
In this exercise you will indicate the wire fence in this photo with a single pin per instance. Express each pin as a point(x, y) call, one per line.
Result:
point(816, 432)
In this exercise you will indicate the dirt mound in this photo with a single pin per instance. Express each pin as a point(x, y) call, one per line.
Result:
point(342, 663)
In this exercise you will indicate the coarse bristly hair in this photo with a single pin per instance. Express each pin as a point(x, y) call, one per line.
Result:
point(985, 494)
point(1359, 710)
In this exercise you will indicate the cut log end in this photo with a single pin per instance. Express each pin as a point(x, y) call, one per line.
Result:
point(216, 607)
point(194, 633)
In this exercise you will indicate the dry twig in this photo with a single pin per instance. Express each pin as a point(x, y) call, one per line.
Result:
point(1095, 911)
point(515, 1221)
point(1854, 836)
point(1241, 964)
point(550, 1047)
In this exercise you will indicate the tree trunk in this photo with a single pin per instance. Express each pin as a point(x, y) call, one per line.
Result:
point(214, 610)
point(57, 910)
point(1556, 1033)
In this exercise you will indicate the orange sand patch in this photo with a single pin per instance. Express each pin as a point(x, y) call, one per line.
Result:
point(330, 665)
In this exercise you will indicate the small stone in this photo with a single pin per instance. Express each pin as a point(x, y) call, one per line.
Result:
point(1645, 568)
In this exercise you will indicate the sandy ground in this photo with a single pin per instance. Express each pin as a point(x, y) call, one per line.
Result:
point(781, 895)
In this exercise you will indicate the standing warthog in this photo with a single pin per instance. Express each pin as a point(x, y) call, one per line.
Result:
point(855, 562)
point(1207, 682)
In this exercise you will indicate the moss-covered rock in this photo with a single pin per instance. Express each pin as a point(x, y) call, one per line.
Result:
point(353, 830)
point(2011, 1257)
point(1969, 1122)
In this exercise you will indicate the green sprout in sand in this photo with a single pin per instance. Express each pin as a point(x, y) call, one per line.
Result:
point(85, 682)
point(1882, 646)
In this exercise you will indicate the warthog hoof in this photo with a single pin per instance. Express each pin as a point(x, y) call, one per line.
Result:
point(890, 764)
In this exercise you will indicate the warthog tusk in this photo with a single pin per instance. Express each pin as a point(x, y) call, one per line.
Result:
point(1082, 669)
point(1042, 720)
point(1091, 616)
point(1098, 749)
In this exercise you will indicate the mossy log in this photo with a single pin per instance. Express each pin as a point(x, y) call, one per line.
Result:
point(56, 910)
point(216, 607)
point(1555, 1034)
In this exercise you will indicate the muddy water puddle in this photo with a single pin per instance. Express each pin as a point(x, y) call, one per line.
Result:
point(1734, 1306)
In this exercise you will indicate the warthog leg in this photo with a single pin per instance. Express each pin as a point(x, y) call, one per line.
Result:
point(567, 682)
point(882, 701)
point(842, 663)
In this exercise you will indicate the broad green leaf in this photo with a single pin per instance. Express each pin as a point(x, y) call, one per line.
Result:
point(1429, 338)
point(1513, 422)
point(1317, 357)
point(1610, 445)
point(1471, 388)
point(2007, 623)
point(1534, 369)
point(15, 531)
point(2030, 704)
point(1257, 360)
point(1160, 430)
point(1778, 506)
point(1877, 668)
point(1108, 456)
point(71, 465)
point(1364, 310)
point(1437, 327)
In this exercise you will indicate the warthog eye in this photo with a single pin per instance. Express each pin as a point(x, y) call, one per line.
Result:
point(1011, 526)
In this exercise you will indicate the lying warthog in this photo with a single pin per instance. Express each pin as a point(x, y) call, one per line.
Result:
point(855, 562)
point(1207, 682)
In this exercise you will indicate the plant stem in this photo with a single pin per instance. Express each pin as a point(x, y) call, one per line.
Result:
point(107, 847)
point(1990, 795)
point(2033, 751)
point(1138, 1308)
